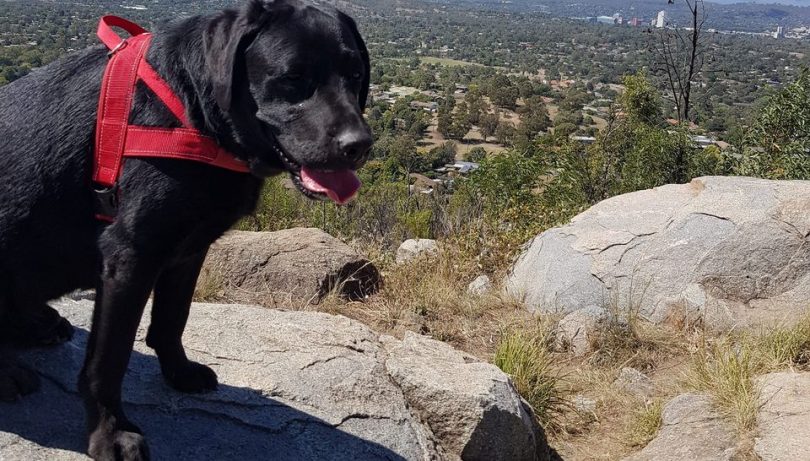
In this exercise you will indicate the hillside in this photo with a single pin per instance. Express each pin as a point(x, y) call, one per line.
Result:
point(551, 247)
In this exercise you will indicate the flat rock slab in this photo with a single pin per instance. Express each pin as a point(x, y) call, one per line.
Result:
point(690, 430)
point(784, 417)
point(732, 251)
point(293, 386)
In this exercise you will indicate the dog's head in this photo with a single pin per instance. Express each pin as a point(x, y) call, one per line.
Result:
point(293, 80)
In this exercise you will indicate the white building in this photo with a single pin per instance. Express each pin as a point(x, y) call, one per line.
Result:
point(661, 20)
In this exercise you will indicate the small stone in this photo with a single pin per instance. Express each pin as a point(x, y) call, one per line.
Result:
point(480, 286)
point(82, 295)
point(575, 330)
point(634, 382)
point(471, 406)
point(584, 404)
point(414, 248)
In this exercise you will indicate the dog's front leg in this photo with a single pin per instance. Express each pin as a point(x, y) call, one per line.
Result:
point(173, 292)
point(127, 277)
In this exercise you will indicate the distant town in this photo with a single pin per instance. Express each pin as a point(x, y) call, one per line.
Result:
point(660, 21)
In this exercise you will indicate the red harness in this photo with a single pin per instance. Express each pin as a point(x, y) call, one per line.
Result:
point(117, 139)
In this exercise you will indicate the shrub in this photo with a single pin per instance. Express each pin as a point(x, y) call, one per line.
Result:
point(778, 144)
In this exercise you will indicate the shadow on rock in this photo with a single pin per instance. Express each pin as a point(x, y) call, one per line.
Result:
point(232, 423)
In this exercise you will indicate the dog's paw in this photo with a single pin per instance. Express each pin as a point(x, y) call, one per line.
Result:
point(192, 378)
point(16, 381)
point(60, 333)
point(43, 328)
point(118, 446)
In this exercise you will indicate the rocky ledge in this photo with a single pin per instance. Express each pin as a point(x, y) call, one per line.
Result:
point(293, 386)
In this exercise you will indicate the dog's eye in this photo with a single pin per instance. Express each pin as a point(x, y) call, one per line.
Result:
point(357, 76)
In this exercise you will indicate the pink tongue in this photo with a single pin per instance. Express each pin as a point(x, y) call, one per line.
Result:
point(340, 186)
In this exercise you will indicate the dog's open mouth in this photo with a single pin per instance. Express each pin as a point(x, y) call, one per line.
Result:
point(340, 186)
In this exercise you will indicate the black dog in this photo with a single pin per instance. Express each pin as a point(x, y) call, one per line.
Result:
point(280, 84)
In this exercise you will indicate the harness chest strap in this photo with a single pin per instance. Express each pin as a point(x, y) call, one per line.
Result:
point(116, 138)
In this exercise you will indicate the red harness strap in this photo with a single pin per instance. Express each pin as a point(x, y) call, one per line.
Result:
point(116, 138)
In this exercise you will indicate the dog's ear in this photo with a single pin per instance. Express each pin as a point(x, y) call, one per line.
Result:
point(226, 38)
point(364, 54)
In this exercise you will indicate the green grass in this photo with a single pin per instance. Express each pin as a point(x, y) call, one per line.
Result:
point(525, 356)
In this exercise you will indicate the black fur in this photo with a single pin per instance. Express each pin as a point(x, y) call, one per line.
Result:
point(281, 84)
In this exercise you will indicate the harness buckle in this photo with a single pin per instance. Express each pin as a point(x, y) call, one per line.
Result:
point(117, 48)
point(106, 201)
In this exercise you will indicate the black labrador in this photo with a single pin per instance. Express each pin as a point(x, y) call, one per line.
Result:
point(279, 83)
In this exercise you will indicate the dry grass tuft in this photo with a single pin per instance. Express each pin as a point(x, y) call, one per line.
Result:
point(644, 425)
point(623, 339)
point(725, 370)
point(780, 348)
point(525, 355)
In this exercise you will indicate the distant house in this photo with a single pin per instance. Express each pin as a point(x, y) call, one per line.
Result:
point(461, 167)
point(703, 141)
point(426, 106)
point(584, 139)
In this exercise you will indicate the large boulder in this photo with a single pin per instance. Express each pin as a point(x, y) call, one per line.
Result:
point(293, 265)
point(729, 250)
point(784, 417)
point(293, 386)
point(691, 429)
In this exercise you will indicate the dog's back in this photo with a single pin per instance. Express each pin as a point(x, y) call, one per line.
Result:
point(46, 124)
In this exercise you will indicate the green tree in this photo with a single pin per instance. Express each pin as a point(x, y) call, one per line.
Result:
point(777, 145)
point(476, 106)
point(505, 133)
point(444, 120)
point(488, 125)
point(460, 125)
point(443, 154)
point(640, 100)
point(476, 154)
point(502, 92)
point(404, 155)
point(534, 117)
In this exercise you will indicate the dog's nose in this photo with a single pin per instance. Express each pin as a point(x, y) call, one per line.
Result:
point(354, 144)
